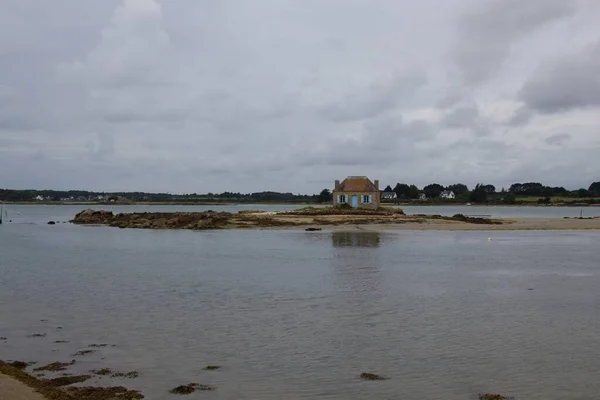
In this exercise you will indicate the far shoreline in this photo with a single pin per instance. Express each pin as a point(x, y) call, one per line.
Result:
point(238, 204)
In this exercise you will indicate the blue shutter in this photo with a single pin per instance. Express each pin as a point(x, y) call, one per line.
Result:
point(370, 199)
point(338, 199)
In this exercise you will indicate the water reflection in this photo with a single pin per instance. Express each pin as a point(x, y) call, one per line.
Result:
point(355, 239)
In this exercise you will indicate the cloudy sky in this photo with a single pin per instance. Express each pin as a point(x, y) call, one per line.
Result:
point(288, 95)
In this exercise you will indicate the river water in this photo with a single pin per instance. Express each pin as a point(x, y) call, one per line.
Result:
point(299, 315)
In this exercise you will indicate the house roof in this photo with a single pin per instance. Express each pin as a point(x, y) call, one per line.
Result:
point(357, 184)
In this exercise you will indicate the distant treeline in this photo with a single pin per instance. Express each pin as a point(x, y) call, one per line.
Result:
point(485, 193)
point(481, 193)
point(87, 196)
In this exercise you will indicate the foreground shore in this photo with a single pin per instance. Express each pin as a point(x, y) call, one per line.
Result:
point(11, 388)
point(324, 219)
point(18, 384)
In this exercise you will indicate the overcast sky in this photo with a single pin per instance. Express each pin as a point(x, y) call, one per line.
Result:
point(288, 95)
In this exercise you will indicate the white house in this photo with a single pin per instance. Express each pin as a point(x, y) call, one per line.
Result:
point(448, 194)
point(388, 194)
point(422, 196)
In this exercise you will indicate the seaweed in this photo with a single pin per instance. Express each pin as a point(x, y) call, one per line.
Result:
point(130, 375)
point(53, 388)
point(103, 371)
point(66, 380)
point(84, 352)
point(55, 366)
point(368, 376)
point(191, 388)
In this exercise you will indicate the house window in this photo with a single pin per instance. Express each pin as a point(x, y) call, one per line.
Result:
point(366, 199)
point(342, 199)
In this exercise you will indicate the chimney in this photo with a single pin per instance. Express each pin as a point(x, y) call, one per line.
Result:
point(376, 184)
point(337, 185)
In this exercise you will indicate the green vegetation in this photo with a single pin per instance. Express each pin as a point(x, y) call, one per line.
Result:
point(434, 193)
point(530, 193)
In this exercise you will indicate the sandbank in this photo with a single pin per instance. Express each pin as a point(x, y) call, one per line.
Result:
point(11, 389)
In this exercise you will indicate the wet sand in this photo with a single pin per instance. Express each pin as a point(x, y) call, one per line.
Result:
point(522, 224)
point(325, 219)
point(11, 389)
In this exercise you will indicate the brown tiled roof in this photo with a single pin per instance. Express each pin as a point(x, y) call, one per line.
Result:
point(357, 184)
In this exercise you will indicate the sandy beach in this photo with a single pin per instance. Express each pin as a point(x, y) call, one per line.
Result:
point(522, 224)
point(11, 389)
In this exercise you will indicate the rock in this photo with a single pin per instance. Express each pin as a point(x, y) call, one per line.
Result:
point(191, 388)
point(371, 377)
point(491, 396)
point(312, 229)
point(51, 223)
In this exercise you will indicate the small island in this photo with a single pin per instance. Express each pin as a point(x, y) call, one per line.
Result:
point(324, 218)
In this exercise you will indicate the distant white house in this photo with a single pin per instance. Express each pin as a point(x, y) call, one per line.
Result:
point(388, 194)
point(39, 198)
point(422, 196)
point(448, 194)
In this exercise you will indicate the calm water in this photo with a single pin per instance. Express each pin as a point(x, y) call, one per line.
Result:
point(43, 213)
point(298, 315)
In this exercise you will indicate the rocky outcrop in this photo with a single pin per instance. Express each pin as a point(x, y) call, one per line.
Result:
point(92, 217)
point(306, 218)
point(177, 220)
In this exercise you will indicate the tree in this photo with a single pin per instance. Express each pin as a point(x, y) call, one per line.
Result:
point(583, 193)
point(388, 188)
point(490, 189)
point(459, 189)
point(479, 194)
point(325, 196)
point(509, 198)
point(434, 190)
point(404, 191)
point(516, 188)
point(595, 189)
point(401, 190)
point(413, 192)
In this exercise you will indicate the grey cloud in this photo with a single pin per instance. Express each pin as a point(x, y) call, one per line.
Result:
point(373, 101)
point(520, 117)
point(558, 140)
point(451, 98)
point(485, 36)
point(461, 117)
point(277, 94)
point(565, 84)
point(467, 117)
point(103, 148)
point(389, 131)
